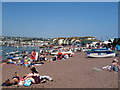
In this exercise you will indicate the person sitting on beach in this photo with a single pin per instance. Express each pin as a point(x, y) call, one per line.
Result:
point(64, 56)
point(33, 69)
point(59, 55)
point(10, 61)
point(115, 66)
point(42, 57)
point(54, 58)
point(24, 54)
point(34, 75)
point(16, 79)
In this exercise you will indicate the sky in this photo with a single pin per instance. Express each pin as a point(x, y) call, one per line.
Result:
point(60, 19)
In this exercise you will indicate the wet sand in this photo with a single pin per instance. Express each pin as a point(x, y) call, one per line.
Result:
point(75, 72)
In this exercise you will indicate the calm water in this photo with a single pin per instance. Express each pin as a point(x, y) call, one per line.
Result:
point(13, 49)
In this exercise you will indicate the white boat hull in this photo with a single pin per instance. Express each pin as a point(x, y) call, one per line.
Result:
point(15, 58)
point(102, 55)
point(69, 52)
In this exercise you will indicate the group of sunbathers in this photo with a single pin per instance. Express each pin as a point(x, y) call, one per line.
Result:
point(28, 79)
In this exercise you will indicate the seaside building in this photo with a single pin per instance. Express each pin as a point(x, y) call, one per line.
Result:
point(108, 41)
point(23, 41)
point(74, 40)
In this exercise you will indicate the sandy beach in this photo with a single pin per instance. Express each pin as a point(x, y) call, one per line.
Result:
point(75, 72)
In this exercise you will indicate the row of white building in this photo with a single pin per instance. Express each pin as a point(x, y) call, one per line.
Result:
point(74, 40)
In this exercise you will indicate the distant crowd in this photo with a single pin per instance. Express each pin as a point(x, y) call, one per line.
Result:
point(38, 58)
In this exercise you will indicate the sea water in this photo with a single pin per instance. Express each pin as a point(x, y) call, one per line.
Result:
point(7, 49)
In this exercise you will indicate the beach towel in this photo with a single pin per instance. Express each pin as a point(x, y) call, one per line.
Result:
point(107, 67)
point(27, 82)
point(46, 77)
point(21, 61)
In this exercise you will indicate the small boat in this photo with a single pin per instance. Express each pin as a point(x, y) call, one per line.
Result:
point(100, 50)
point(16, 58)
point(101, 54)
point(86, 50)
point(96, 50)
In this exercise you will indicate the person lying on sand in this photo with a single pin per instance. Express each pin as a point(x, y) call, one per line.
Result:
point(7, 83)
point(23, 81)
point(14, 81)
point(28, 79)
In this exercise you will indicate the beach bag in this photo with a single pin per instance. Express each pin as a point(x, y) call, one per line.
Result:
point(27, 82)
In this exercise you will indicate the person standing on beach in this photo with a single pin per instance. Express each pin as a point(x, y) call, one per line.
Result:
point(118, 48)
point(33, 55)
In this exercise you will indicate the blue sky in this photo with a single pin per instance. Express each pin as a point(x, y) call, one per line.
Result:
point(60, 19)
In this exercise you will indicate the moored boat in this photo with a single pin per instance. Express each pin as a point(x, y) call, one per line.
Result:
point(101, 54)
point(100, 50)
